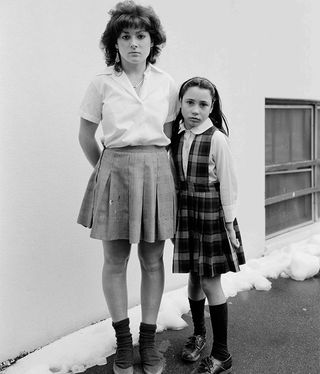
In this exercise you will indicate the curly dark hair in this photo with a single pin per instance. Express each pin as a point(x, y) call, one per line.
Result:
point(128, 14)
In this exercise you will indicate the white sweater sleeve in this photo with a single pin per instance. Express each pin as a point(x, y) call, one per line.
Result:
point(225, 172)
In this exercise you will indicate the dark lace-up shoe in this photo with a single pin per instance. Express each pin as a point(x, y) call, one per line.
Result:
point(193, 347)
point(210, 365)
point(151, 361)
point(118, 370)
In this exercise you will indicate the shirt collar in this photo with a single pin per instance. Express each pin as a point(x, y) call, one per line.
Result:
point(197, 130)
point(109, 70)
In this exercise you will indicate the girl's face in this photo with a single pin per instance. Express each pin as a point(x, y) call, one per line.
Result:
point(134, 45)
point(196, 105)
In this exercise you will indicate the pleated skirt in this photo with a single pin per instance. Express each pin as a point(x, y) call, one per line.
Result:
point(130, 195)
point(201, 243)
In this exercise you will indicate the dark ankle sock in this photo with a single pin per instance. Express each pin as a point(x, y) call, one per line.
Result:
point(124, 353)
point(197, 312)
point(219, 322)
point(148, 352)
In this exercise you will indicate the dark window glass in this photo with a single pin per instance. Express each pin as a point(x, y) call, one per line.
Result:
point(289, 139)
point(288, 213)
point(288, 135)
point(282, 183)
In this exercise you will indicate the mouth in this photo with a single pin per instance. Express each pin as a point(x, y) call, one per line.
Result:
point(134, 53)
point(194, 119)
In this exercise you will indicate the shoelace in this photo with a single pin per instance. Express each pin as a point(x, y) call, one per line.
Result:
point(205, 364)
point(193, 342)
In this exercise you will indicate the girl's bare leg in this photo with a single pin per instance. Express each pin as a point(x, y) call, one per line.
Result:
point(213, 290)
point(194, 287)
point(114, 277)
point(152, 284)
point(152, 279)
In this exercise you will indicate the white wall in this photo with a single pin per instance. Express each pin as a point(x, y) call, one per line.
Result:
point(292, 57)
point(50, 269)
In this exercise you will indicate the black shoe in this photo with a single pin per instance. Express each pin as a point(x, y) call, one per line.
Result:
point(151, 361)
point(193, 347)
point(210, 365)
point(118, 370)
point(123, 359)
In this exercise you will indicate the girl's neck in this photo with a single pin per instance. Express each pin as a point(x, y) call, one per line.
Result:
point(134, 70)
point(186, 126)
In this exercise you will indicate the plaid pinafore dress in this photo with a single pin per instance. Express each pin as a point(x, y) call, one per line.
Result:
point(201, 243)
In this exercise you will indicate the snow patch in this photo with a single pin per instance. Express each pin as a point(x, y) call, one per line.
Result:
point(91, 345)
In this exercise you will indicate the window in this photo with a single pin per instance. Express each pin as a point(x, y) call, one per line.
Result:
point(292, 164)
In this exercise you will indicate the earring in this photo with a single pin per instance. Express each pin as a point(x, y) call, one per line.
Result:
point(117, 60)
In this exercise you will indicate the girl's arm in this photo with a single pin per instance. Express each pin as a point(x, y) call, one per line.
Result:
point(167, 129)
point(174, 106)
point(232, 234)
point(228, 184)
point(88, 141)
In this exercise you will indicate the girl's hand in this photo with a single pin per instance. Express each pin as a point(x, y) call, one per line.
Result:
point(232, 235)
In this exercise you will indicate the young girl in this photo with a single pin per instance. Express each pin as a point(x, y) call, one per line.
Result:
point(207, 242)
point(130, 196)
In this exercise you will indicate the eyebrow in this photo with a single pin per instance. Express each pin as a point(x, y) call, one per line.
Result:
point(136, 31)
point(201, 101)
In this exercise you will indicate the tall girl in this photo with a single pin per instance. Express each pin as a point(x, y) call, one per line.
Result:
point(130, 196)
point(207, 242)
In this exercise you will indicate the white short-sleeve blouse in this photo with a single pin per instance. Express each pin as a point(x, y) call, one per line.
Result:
point(126, 118)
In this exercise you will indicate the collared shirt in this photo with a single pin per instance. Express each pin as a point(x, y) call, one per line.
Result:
point(221, 165)
point(126, 118)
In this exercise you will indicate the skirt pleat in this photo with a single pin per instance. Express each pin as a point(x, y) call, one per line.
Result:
point(201, 243)
point(130, 196)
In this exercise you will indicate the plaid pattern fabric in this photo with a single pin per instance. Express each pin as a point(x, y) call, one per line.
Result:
point(201, 243)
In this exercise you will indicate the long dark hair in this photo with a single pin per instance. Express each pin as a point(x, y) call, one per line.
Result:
point(217, 117)
point(127, 14)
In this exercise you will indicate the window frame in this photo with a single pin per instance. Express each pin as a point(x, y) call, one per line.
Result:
point(312, 165)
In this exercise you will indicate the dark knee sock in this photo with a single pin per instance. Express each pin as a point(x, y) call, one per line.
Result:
point(219, 321)
point(197, 312)
point(148, 352)
point(124, 354)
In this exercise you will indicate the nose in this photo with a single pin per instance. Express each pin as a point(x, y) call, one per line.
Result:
point(134, 43)
point(195, 109)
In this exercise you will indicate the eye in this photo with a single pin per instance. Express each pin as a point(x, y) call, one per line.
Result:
point(125, 37)
point(204, 104)
point(141, 36)
point(189, 102)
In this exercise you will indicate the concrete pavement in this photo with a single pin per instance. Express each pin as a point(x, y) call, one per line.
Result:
point(270, 332)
